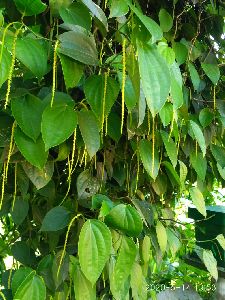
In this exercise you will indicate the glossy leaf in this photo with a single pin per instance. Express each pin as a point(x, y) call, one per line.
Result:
point(83, 288)
point(161, 236)
point(118, 8)
point(198, 136)
point(198, 200)
point(97, 12)
point(94, 248)
point(58, 124)
point(149, 23)
point(212, 71)
point(79, 45)
point(194, 76)
point(76, 14)
point(72, 71)
point(56, 219)
point(89, 130)
point(210, 263)
point(165, 19)
point(28, 111)
point(5, 66)
point(176, 86)
point(32, 288)
point(152, 167)
point(39, 177)
point(30, 7)
point(19, 277)
point(205, 117)
point(171, 147)
point(153, 71)
point(94, 91)
point(125, 260)
point(33, 55)
point(199, 163)
point(34, 152)
point(126, 219)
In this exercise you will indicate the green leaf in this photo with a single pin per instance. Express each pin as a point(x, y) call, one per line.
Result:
point(76, 14)
point(94, 92)
point(19, 276)
point(79, 45)
point(198, 200)
point(206, 116)
point(87, 185)
point(56, 219)
point(183, 173)
point(149, 23)
point(166, 114)
point(194, 76)
point(58, 124)
point(145, 150)
point(34, 152)
point(39, 177)
point(165, 19)
point(33, 55)
point(167, 53)
point(94, 248)
point(181, 52)
point(126, 219)
point(145, 249)
point(161, 236)
point(27, 111)
point(153, 71)
point(221, 240)
point(131, 98)
point(59, 99)
point(23, 253)
point(32, 288)
point(210, 263)
point(114, 126)
point(219, 154)
point(198, 136)
point(176, 86)
point(5, 66)
point(83, 288)
point(171, 147)
point(20, 210)
point(173, 241)
point(98, 199)
point(172, 174)
point(212, 71)
point(72, 70)
point(124, 263)
point(89, 130)
point(199, 163)
point(221, 170)
point(30, 7)
point(118, 8)
point(97, 12)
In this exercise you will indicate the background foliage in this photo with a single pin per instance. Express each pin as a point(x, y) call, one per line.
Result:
point(110, 113)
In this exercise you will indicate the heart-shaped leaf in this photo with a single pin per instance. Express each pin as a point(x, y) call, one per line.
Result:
point(57, 218)
point(94, 248)
point(125, 218)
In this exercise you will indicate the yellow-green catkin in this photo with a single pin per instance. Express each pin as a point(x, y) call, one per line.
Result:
point(123, 84)
point(9, 82)
point(15, 187)
point(153, 145)
point(73, 150)
point(3, 39)
point(138, 171)
point(66, 240)
point(2, 295)
point(6, 165)
point(149, 122)
point(214, 97)
point(103, 102)
point(54, 72)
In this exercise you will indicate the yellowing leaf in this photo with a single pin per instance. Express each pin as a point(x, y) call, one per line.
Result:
point(198, 200)
point(161, 236)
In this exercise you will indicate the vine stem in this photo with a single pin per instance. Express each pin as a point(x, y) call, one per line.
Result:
point(66, 240)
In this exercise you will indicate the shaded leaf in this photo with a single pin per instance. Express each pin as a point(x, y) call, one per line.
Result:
point(34, 152)
point(89, 130)
point(199, 163)
point(58, 124)
point(165, 19)
point(118, 8)
point(198, 136)
point(30, 7)
point(194, 76)
point(145, 149)
point(5, 66)
point(171, 147)
point(56, 219)
point(79, 45)
point(212, 71)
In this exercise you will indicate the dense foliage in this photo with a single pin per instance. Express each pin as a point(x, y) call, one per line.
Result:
point(110, 112)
